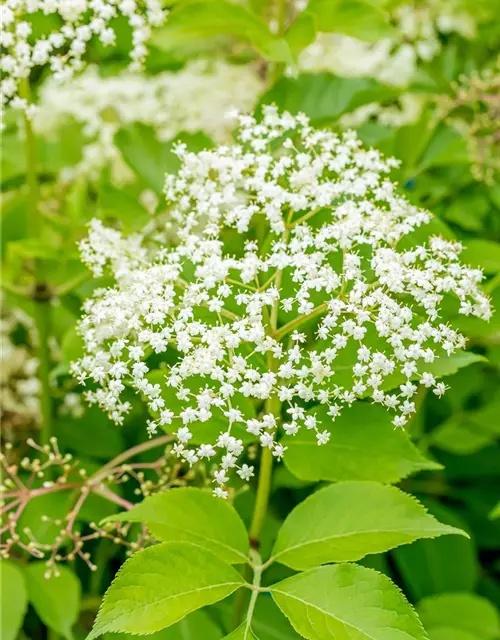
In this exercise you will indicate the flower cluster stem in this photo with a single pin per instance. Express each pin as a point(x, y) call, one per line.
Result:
point(263, 493)
point(43, 325)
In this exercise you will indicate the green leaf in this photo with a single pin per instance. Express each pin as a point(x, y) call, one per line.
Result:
point(347, 601)
point(13, 598)
point(484, 254)
point(461, 611)
point(469, 431)
point(193, 627)
point(56, 600)
point(495, 513)
point(460, 437)
point(149, 158)
point(192, 515)
point(447, 147)
point(446, 564)
point(40, 514)
point(121, 205)
point(269, 623)
point(14, 218)
point(363, 446)
point(349, 520)
point(446, 633)
point(301, 34)
point(159, 586)
point(324, 97)
point(448, 365)
point(445, 365)
point(92, 435)
point(356, 18)
point(199, 20)
point(243, 632)
point(72, 347)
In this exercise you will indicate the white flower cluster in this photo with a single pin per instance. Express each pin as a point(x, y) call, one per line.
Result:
point(19, 385)
point(193, 99)
point(394, 60)
point(105, 246)
point(64, 47)
point(317, 303)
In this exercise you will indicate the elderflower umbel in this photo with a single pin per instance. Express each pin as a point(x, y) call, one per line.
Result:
point(325, 299)
point(63, 48)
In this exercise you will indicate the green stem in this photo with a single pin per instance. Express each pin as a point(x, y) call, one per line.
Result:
point(257, 575)
point(41, 292)
point(273, 405)
point(263, 493)
point(43, 323)
point(294, 324)
point(281, 16)
point(306, 216)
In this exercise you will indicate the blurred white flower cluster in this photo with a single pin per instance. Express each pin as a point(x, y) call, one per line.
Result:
point(75, 24)
point(19, 385)
point(294, 282)
point(193, 99)
point(392, 61)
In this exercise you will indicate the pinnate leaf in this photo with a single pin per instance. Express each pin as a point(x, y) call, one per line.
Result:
point(349, 520)
point(347, 601)
point(57, 599)
point(363, 445)
point(14, 599)
point(160, 585)
point(192, 515)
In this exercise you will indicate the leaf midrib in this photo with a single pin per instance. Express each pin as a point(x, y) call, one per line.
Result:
point(171, 597)
point(350, 535)
point(327, 613)
point(200, 537)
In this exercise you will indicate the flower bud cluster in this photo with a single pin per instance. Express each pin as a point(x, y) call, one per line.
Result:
point(78, 22)
point(328, 297)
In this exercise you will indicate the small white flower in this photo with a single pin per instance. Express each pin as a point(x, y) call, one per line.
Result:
point(427, 380)
point(440, 389)
point(184, 435)
point(245, 472)
point(322, 437)
point(220, 493)
point(279, 450)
